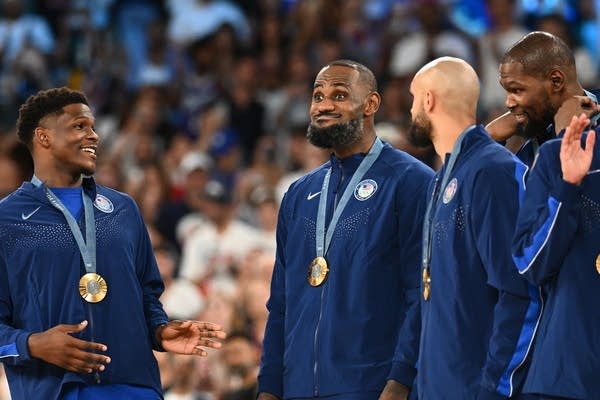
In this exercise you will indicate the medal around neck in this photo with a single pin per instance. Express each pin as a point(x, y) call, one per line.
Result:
point(92, 287)
point(426, 283)
point(598, 263)
point(317, 271)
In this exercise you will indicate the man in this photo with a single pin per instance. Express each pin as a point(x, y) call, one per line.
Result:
point(542, 94)
point(478, 315)
point(556, 246)
point(345, 281)
point(79, 286)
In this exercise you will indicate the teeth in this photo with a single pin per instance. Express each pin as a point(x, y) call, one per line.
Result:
point(89, 150)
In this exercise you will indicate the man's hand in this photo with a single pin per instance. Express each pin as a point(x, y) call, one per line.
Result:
point(394, 391)
point(56, 346)
point(572, 107)
point(575, 162)
point(188, 337)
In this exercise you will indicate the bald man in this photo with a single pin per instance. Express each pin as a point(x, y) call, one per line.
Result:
point(542, 94)
point(478, 314)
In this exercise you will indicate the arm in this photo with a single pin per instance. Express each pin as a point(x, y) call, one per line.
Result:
point(496, 192)
point(56, 345)
point(410, 216)
point(548, 218)
point(149, 278)
point(270, 377)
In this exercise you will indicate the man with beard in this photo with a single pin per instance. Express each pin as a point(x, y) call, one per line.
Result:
point(542, 94)
point(478, 314)
point(345, 282)
point(556, 246)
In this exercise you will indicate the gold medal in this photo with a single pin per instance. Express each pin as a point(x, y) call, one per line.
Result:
point(426, 283)
point(317, 271)
point(598, 263)
point(92, 287)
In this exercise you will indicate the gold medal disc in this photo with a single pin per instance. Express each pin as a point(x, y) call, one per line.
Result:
point(317, 271)
point(92, 287)
point(426, 283)
point(598, 263)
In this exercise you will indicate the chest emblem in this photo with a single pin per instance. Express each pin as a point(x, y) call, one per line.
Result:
point(103, 204)
point(365, 189)
point(450, 191)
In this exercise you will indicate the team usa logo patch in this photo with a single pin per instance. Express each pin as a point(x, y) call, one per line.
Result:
point(103, 204)
point(450, 191)
point(365, 189)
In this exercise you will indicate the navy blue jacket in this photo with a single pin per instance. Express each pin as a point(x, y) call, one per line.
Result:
point(479, 321)
point(557, 245)
point(340, 337)
point(40, 268)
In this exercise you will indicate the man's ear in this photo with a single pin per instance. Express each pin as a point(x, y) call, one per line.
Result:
point(41, 136)
point(429, 101)
point(372, 103)
point(557, 80)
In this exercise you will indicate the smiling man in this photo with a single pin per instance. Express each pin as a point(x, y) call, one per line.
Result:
point(79, 285)
point(542, 94)
point(345, 284)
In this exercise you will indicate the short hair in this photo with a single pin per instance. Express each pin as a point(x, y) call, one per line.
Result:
point(365, 75)
point(539, 53)
point(41, 104)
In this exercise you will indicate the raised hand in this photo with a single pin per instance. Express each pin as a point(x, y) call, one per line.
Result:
point(575, 161)
point(58, 347)
point(189, 337)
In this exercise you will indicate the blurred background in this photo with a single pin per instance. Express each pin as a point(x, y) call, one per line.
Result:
point(202, 108)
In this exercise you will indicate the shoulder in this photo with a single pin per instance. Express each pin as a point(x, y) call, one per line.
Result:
point(404, 165)
point(308, 179)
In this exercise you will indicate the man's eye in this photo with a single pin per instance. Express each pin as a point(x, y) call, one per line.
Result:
point(317, 97)
point(340, 96)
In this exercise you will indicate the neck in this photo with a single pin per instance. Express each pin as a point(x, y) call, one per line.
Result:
point(444, 142)
point(363, 145)
point(57, 179)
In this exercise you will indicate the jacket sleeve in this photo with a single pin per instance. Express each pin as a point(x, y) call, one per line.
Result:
point(151, 283)
point(270, 377)
point(411, 209)
point(495, 203)
point(13, 342)
point(547, 220)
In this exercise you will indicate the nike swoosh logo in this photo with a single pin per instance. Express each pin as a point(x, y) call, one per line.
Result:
point(27, 216)
point(312, 195)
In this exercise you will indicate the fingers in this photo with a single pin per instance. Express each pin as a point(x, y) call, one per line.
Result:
point(208, 326)
point(69, 328)
point(590, 141)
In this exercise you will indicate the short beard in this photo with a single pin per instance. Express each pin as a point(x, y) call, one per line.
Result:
point(537, 128)
point(336, 136)
point(419, 132)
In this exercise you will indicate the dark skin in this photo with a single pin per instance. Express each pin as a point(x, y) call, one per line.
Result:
point(339, 96)
point(539, 102)
point(63, 148)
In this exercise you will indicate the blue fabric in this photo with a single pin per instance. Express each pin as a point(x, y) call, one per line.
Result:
point(40, 267)
point(349, 335)
point(113, 392)
point(566, 356)
point(479, 321)
point(71, 198)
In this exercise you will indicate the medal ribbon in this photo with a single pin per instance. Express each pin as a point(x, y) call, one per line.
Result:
point(87, 248)
point(323, 240)
point(435, 197)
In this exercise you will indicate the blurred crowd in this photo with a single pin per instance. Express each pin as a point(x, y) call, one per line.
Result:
point(202, 108)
